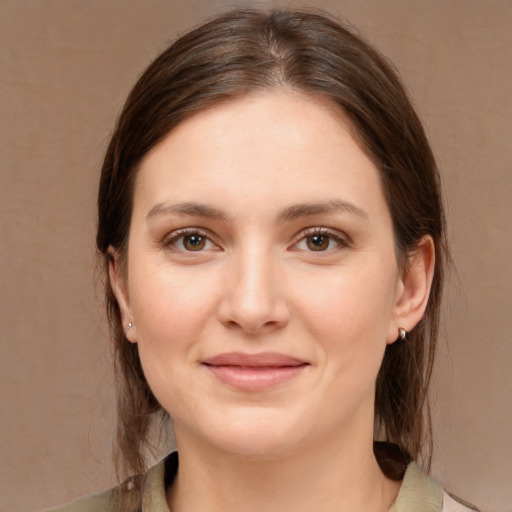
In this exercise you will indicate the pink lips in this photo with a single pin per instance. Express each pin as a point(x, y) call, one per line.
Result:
point(254, 372)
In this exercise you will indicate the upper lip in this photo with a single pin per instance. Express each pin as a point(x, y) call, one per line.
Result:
point(260, 360)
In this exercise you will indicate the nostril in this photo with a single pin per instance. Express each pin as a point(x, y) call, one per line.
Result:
point(253, 327)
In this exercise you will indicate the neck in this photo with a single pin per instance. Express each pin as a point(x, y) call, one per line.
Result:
point(327, 478)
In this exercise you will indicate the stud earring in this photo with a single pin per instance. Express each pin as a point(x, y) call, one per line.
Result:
point(127, 327)
point(402, 334)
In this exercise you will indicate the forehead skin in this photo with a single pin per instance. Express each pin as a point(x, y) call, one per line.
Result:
point(276, 149)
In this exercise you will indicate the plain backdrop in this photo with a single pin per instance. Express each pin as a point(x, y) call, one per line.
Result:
point(66, 67)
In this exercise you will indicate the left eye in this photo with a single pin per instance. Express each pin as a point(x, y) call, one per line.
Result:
point(191, 242)
point(320, 242)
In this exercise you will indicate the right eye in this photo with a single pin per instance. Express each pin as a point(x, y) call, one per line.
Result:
point(190, 241)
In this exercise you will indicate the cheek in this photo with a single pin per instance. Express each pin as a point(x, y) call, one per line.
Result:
point(170, 310)
point(349, 312)
point(170, 307)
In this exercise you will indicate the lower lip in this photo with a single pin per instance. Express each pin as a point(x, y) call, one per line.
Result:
point(251, 378)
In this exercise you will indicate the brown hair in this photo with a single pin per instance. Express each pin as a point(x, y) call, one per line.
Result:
point(245, 51)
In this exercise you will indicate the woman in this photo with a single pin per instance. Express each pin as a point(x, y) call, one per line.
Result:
point(273, 239)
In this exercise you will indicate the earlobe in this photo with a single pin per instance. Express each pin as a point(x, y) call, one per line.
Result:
point(413, 290)
point(119, 287)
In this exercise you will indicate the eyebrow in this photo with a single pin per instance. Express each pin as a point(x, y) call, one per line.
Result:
point(189, 208)
point(299, 211)
point(291, 213)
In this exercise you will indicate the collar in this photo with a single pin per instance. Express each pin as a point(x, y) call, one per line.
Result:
point(418, 492)
point(154, 497)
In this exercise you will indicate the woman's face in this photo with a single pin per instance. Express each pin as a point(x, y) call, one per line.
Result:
point(262, 280)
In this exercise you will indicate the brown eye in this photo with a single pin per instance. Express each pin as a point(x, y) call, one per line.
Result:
point(194, 242)
point(318, 242)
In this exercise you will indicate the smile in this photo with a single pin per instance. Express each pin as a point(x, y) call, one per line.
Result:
point(254, 372)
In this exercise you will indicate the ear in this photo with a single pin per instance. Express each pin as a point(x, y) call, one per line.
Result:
point(119, 286)
point(413, 289)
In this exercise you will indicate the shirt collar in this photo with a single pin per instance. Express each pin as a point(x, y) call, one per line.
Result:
point(418, 492)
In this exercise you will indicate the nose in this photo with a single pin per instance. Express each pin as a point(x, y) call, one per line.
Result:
point(253, 298)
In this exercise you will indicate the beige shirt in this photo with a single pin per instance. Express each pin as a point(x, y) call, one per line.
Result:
point(418, 493)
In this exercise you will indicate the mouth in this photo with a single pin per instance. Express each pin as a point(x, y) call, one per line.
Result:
point(254, 372)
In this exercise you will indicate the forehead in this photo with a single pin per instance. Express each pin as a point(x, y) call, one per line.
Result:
point(268, 146)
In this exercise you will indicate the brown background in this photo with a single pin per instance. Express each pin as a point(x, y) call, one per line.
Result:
point(66, 67)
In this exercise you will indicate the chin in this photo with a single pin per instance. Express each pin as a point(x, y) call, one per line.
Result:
point(252, 434)
point(257, 447)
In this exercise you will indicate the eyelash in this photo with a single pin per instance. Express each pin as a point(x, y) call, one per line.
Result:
point(171, 240)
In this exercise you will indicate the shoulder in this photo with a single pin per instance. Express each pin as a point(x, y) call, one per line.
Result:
point(453, 504)
point(100, 502)
point(153, 496)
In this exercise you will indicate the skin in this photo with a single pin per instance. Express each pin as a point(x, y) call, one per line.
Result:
point(252, 168)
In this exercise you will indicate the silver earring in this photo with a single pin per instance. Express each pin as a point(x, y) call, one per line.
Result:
point(127, 327)
point(402, 334)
